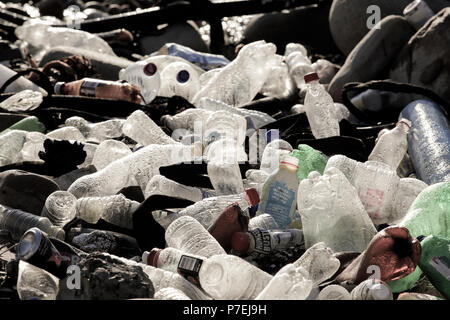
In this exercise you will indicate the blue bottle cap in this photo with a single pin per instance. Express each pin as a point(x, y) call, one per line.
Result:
point(183, 76)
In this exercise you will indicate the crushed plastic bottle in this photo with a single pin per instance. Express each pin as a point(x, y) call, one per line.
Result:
point(146, 76)
point(60, 208)
point(179, 79)
point(34, 283)
point(109, 151)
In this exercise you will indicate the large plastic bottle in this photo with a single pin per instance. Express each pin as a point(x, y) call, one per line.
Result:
point(428, 140)
point(109, 151)
point(263, 222)
point(99, 131)
point(392, 145)
point(179, 79)
point(280, 192)
point(332, 212)
point(135, 169)
point(145, 75)
point(228, 277)
point(116, 209)
point(34, 283)
point(320, 109)
point(188, 235)
point(274, 150)
point(161, 185)
point(193, 119)
point(17, 222)
point(144, 130)
point(60, 208)
point(66, 133)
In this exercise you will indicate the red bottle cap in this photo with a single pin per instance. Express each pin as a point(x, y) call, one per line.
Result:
point(151, 258)
point(252, 197)
point(240, 242)
point(311, 77)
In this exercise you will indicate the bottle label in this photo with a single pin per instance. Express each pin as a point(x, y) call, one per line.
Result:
point(372, 200)
point(263, 242)
point(88, 88)
point(442, 265)
point(284, 239)
point(279, 203)
point(189, 267)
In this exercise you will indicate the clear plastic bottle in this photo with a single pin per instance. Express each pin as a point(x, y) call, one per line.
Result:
point(144, 130)
point(165, 279)
point(241, 80)
point(116, 209)
point(228, 277)
point(34, 143)
point(135, 169)
point(170, 294)
point(188, 235)
point(109, 151)
point(11, 144)
point(320, 109)
point(168, 258)
point(145, 75)
point(280, 192)
point(99, 131)
point(66, 133)
point(299, 65)
point(60, 208)
point(289, 283)
point(17, 222)
point(207, 210)
point(255, 179)
point(164, 186)
point(263, 222)
point(372, 289)
point(278, 84)
point(272, 154)
point(332, 212)
point(392, 145)
point(259, 242)
point(334, 292)
point(191, 119)
point(34, 283)
point(180, 79)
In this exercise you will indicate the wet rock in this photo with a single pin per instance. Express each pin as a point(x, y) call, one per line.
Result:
point(107, 277)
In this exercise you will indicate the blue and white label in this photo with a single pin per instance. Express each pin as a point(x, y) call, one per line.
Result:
point(279, 203)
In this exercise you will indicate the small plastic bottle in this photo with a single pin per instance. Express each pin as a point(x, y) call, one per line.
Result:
point(145, 75)
point(60, 208)
point(100, 89)
point(392, 145)
point(228, 277)
point(180, 79)
point(188, 235)
point(34, 283)
point(280, 192)
point(372, 289)
point(263, 222)
point(17, 222)
point(259, 242)
point(320, 109)
point(116, 209)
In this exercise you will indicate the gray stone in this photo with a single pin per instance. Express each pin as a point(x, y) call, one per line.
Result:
point(106, 277)
point(372, 57)
point(107, 66)
point(425, 61)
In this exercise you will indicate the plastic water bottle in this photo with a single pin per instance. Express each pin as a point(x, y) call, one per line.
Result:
point(170, 294)
point(258, 242)
point(179, 79)
point(299, 65)
point(228, 277)
point(334, 292)
point(98, 131)
point(280, 192)
point(165, 279)
point(241, 80)
point(372, 289)
point(273, 152)
point(428, 141)
point(17, 222)
point(392, 145)
point(263, 222)
point(11, 144)
point(163, 186)
point(60, 208)
point(320, 109)
point(144, 75)
point(34, 283)
point(109, 151)
point(332, 212)
point(255, 179)
point(115, 209)
point(188, 235)
point(289, 283)
point(144, 130)
point(135, 169)
point(34, 143)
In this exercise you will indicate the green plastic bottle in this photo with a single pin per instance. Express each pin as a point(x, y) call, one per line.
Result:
point(309, 160)
point(435, 262)
point(428, 215)
point(30, 123)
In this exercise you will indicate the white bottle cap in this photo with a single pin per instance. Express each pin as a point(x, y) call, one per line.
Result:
point(289, 160)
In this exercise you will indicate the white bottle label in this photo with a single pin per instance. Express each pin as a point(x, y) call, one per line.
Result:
point(279, 203)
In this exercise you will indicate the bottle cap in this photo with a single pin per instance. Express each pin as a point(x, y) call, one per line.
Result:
point(150, 69)
point(252, 196)
point(58, 87)
point(289, 160)
point(240, 242)
point(183, 76)
point(152, 257)
point(311, 77)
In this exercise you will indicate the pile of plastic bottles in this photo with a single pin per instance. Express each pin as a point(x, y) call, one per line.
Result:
point(236, 178)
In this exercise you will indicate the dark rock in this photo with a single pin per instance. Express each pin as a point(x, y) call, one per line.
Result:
point(425, 61)
point(24, 190)
point(106, 277)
